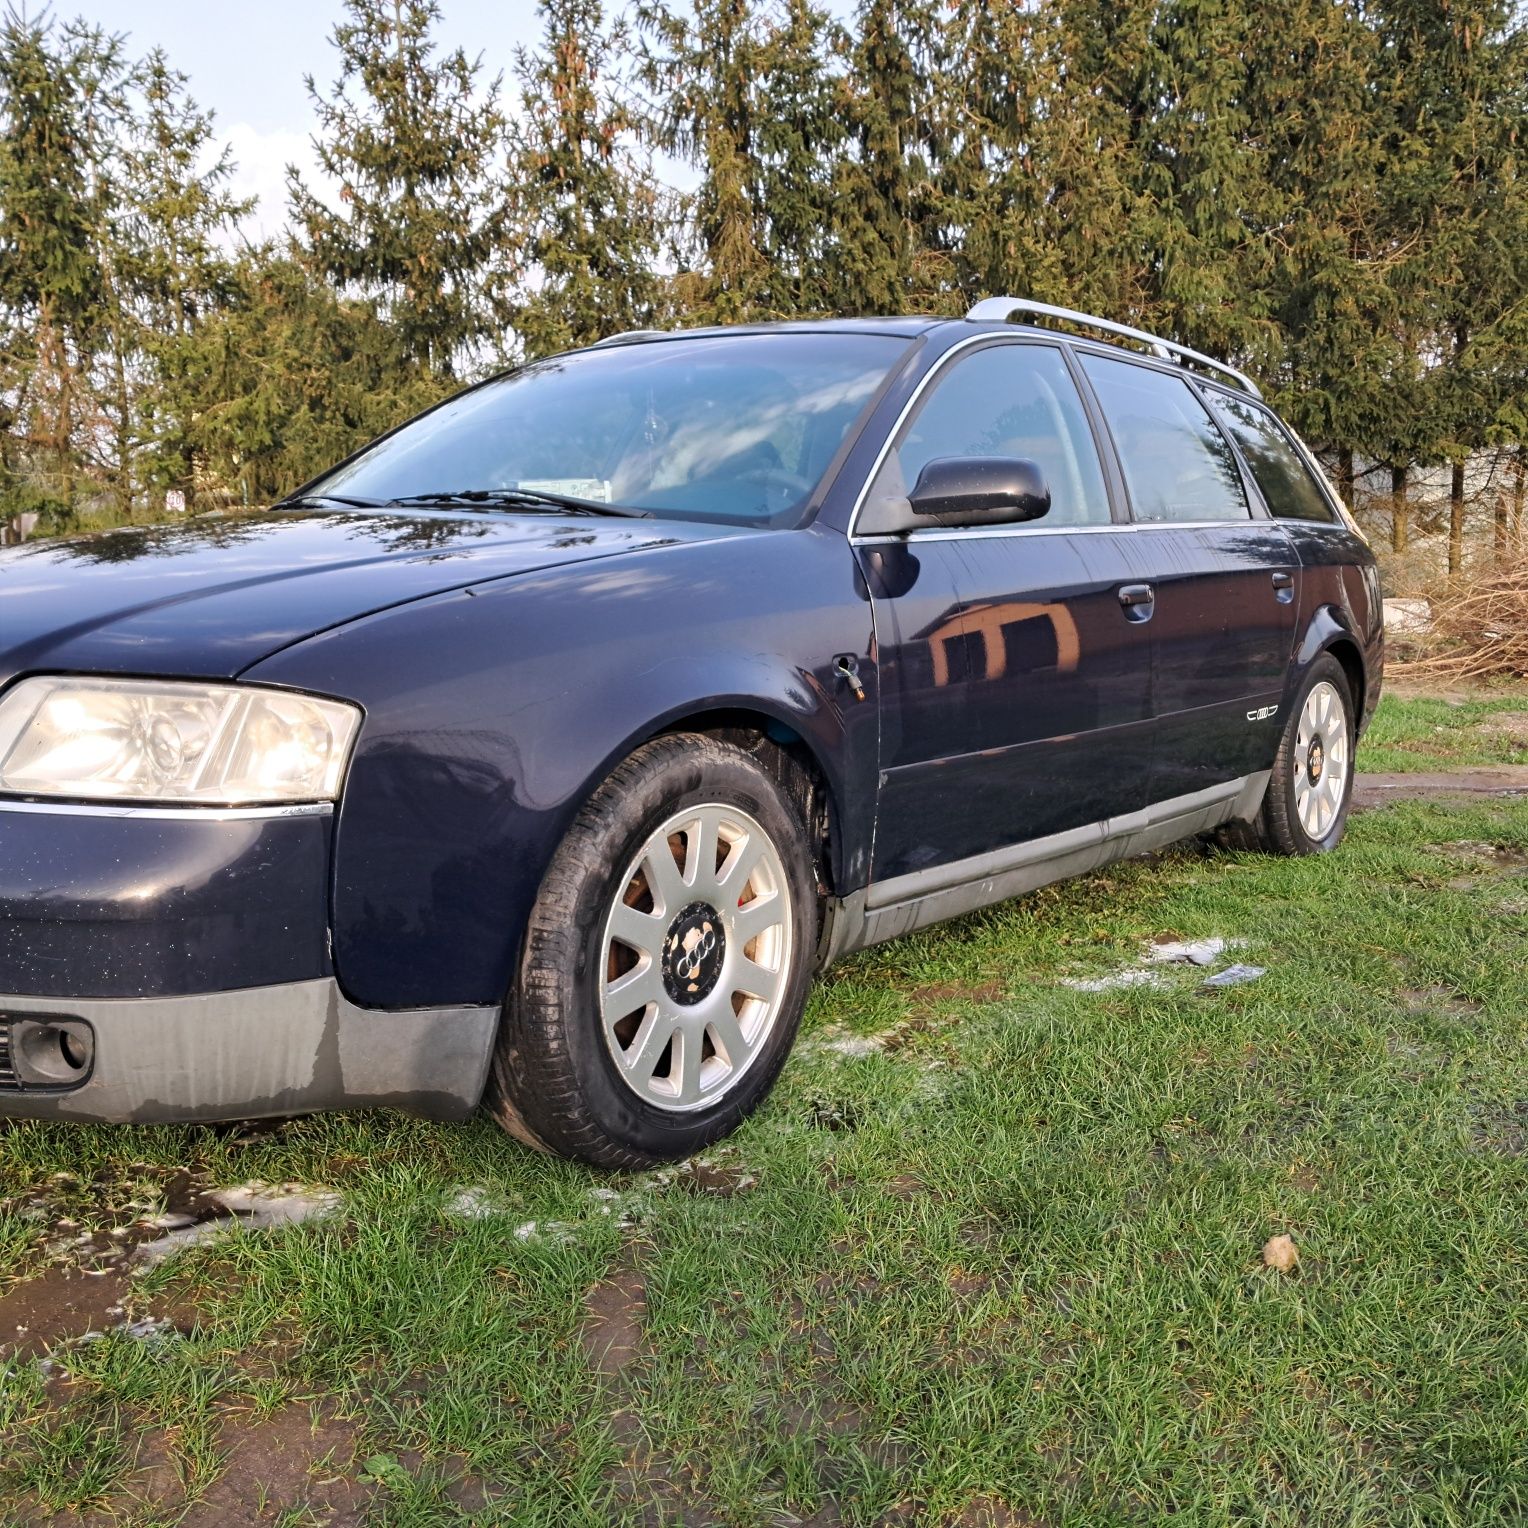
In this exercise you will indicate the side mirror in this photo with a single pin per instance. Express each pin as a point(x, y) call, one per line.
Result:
point(987, 489)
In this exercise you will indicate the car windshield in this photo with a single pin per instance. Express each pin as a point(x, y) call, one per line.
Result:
point(739, 428)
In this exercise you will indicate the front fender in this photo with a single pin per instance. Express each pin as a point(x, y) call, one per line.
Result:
point(494, 712)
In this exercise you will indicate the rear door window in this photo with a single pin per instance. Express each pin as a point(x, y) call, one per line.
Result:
point(1177, 464)
point(1278, 469)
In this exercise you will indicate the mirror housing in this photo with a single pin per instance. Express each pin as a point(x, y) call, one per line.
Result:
point(986, 490)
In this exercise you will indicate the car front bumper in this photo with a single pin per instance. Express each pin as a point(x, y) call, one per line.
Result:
point(183, 957)
point(289, 1049)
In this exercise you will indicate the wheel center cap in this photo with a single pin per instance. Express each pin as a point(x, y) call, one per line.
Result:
point(692, 953)
point(1316, 761)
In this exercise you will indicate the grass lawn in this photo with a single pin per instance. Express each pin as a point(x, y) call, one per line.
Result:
point(1412, 733)
point(989, 1255)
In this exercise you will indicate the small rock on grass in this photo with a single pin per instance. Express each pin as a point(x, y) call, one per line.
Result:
point(1281, 1254)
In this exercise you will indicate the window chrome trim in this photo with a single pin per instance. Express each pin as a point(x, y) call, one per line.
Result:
point(985, 532)
point(159, 813)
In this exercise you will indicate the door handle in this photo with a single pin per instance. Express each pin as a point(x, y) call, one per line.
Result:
point(1283, 587)
point(1139, 600)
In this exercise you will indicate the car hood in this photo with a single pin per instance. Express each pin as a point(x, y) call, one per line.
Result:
point(209, 597)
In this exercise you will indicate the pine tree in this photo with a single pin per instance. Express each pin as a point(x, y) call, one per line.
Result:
point(293, 377)
point(800, 137)
point(704, 70)
point(415, 145)
point(1321, 237)
point(881, 187)
point(588, 206)
point(171, 267)
point(56, 90)
point(1464, 93)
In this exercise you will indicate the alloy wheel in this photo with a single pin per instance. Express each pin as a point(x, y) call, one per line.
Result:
point(695, 957)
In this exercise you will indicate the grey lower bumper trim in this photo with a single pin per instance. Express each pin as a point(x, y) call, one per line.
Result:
point(262, 1051)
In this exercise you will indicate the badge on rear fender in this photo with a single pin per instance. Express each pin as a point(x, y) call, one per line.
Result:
point(1262, 714)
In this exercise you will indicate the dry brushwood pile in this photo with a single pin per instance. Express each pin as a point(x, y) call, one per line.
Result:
point(1479, 630)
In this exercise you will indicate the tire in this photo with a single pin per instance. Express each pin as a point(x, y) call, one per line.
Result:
point(1322, 715)
point(622, 1054)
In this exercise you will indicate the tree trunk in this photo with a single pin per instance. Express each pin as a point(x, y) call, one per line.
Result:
point(1519, 494)
point(1345, 475)
point(1456, 521)
point(1397, 509)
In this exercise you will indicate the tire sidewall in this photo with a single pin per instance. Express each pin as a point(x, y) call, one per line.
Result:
point(670, 782)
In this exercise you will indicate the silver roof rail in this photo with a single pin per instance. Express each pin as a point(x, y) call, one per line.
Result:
point(627, 336)
point(1001, 309)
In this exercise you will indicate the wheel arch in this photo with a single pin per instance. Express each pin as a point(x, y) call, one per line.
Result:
point(1328, 631)
point(794, 760)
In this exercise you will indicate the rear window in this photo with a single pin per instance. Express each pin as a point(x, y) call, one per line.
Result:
point(1282, 477)
point(1177, 465)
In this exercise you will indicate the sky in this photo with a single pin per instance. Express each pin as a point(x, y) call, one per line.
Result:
point(247, 61)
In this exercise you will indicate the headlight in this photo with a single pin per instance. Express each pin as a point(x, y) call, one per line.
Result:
point(150, 740)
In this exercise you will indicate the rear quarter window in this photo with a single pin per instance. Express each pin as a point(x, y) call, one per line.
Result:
point(1283, 479)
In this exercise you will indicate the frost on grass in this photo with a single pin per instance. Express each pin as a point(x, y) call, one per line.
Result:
point(474, 1201)
point(1166, 950)
point(855, 1045)
point(251, 1206)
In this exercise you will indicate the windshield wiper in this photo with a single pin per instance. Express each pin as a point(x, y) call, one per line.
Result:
point(528, 498)
point(312, 500)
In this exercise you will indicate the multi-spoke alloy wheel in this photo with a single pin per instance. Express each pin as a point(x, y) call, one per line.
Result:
point(696, 956)
point(1321, 760)
point(667, 958)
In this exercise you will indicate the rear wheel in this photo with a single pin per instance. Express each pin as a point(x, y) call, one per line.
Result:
point(1306, 808)
point(667, 961)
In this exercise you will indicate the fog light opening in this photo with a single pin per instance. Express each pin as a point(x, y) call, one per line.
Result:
point(75, 1052)
point(54, 1053)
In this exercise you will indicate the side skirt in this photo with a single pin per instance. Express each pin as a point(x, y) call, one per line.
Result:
point(888, 909)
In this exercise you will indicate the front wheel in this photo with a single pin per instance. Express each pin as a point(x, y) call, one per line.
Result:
point(667, 961)
point(1306, 808)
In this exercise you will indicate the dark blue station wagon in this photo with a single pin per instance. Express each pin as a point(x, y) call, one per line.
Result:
point(540, 753)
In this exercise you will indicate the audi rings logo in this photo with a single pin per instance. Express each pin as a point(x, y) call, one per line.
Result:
point(699, 947)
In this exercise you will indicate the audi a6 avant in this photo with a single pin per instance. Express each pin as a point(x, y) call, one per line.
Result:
point(542, 750)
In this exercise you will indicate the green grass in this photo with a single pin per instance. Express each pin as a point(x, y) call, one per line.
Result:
point(1010, 1261)
point(1412, 733)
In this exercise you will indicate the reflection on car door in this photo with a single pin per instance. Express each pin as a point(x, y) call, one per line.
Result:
point(1224, 583)
point(1015, 686)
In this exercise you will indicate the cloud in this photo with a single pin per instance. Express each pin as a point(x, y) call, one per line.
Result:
point(260, 160)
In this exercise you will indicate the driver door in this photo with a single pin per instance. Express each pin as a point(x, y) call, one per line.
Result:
point(1015, 684)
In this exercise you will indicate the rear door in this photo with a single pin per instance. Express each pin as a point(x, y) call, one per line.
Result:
point(1223, 576)
point(1015, 685)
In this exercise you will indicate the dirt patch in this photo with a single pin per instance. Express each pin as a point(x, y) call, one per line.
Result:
point(1496, 856)
point(61, 1304)
point(713, 1179)
point(1371, 790)
point(1503, 1128)
point(293, 1461)
point(994, 1512)
point(1437, 999)
point(615, 1311)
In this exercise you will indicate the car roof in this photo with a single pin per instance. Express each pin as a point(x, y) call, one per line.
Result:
point(900, 328)
point(913, 326)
